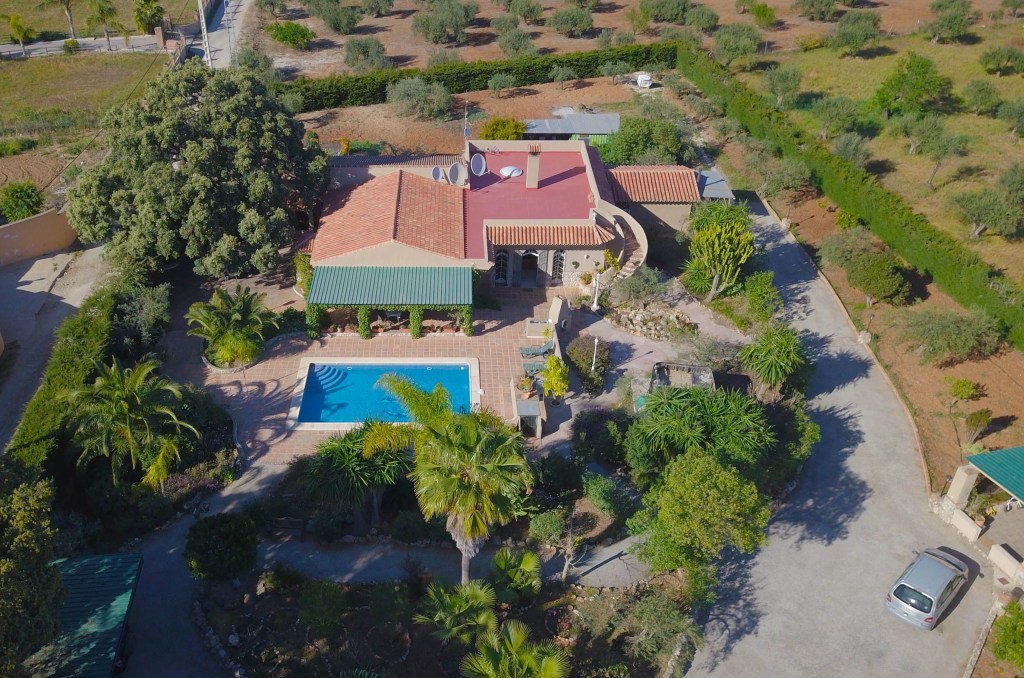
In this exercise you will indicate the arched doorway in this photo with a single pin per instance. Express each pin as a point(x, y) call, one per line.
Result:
point(529, 268)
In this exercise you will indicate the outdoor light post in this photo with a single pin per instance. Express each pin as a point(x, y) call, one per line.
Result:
point(597, 288)
point(593, 363)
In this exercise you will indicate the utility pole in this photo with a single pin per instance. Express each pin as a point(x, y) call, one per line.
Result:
point(207, 57)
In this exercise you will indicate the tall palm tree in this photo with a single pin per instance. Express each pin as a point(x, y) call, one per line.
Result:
point(102, 13)
point(469, 467)
point(509, 653)
point(66, 6)
point(19, 32)
point(515, 574)
point(459, 614)
point(775, 355)
point(126, 414)
point(232, 324)
point(340, 473)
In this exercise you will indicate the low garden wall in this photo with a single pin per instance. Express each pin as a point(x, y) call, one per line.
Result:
point(35, 236)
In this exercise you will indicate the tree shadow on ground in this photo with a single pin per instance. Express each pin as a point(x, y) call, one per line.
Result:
point(734, 616)
point(829, 496)
point(835, 368)
point(879, 167)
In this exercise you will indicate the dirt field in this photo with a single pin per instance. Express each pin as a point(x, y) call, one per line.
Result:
point(410, 50)
point(375, 123)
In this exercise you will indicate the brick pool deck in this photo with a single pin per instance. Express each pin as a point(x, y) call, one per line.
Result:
point(260, 397)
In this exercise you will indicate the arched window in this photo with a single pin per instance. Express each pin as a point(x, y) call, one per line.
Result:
point(557, 264)
point(501, 267)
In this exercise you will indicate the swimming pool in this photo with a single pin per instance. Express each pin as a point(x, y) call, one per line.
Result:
point(340, 393)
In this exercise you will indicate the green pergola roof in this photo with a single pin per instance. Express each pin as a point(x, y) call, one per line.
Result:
point(1004, 467)
point(391, 286)
point(99, 595)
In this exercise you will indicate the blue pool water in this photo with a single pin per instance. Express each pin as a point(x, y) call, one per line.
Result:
point(340, 393)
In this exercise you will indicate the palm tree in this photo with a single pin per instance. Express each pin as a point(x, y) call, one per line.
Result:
point(516, 575)
point(232, 325)
point(469, 467)
point(126, 413)
point(509, 653)
point(459, 614)
point(20, 33)
point(102, 13)
point(774, 356)
point(341, 473)
point(66, 6)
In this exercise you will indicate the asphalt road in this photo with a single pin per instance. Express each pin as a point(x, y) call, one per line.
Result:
point(810, 603)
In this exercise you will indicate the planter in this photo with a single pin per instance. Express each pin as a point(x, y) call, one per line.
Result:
point(226, 370)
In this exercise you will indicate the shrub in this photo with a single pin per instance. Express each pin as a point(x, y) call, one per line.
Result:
point(504, 23)
point(947, 336)
point(601, 434)
point(607, 496)
point(670, 11)
point(20, 200)
point(764, 16)
point(880, 277)
point(443, 57)
point(839, 249)
point(16, 146)
point(500, 82)
point(847, 220)
point(330, 526)
point(571, 22)
point(415, 96)
point(409, 526)
point(516, 43)
point(546, 528)
point(557, 477)
point(340, 19)
point(221, 546)
point(976, 423)
point(734, 41)
point(321, 605)
point(291, 33)
point(581, 354)
point(621, 38)
point(71, 47)
point(303, 272)
point(446, 21)
point(529, 11)
point(763, 300)
point(503, 128)
point(852, 148)
point(365, 54)
point(816, 10)
point(982, 97)
point(703, 18)
point(377, 7)
point(1008, 636)
point(283, 578)
point(562, 75)
point(154, 509)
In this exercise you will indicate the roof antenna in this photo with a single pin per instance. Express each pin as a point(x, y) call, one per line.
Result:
point(465, 118)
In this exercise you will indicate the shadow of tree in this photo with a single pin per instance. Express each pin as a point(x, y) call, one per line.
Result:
point(834, 369)
point(734, 616)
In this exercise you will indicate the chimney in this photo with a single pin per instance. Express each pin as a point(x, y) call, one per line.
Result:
point(533, 166)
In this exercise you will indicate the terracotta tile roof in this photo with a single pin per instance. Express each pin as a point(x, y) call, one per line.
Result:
point(654, 183)
point(398, 207)
point(568, 235)
point(440, 159)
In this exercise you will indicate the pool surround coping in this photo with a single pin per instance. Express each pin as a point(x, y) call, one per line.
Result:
point(294, 424)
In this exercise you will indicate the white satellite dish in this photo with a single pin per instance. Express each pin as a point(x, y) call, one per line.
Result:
point(510, 171)
point(478, 164)
point(456, 174)
point(437, 174)
point(644, 80)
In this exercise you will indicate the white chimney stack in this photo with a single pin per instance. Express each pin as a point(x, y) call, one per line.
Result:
point(533, 166)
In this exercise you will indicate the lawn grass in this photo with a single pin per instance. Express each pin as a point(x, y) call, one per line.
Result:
point(51, 17)
point(991, 149)
point(81, 86)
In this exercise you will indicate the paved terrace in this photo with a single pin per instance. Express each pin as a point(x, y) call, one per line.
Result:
point(260, 397)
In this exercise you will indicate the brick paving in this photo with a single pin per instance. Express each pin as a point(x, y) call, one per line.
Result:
point(260, 397)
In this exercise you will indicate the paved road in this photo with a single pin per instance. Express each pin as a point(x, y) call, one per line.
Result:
point(810, 603)
point(224, 29)
point(136, 43)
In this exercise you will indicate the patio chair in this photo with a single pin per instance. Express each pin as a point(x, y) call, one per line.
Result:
point(536, 351)
point(533, 368)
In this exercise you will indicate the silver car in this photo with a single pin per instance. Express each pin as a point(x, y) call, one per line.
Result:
point(925, 589)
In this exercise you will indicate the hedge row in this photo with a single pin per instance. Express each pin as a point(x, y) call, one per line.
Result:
point(337, 91)
point(956, 269)
point(81, 341)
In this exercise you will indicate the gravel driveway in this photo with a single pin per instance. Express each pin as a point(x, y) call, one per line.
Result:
point(810, 603)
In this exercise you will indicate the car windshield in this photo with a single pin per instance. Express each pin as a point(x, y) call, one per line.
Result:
point(914, 599)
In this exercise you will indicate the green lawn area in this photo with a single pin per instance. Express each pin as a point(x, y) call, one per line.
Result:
point(51, 17)
point(83, 86)
point(991, 150)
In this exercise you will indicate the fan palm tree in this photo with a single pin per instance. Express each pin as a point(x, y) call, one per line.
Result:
point(66, 6)
point(516, 575)
point(126, 414)
point(102, 13)
point(232, 325)
point(774, 356)
point(19, 32)
point(509, 653)
point(469, 467)
point(459, 614)
point(340, 473)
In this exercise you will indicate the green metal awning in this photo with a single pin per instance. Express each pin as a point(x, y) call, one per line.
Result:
point(391, 286)
point(92, 618)
point(1003, 467)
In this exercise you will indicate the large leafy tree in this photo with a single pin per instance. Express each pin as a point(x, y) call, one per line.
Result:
point(775, 355)
point(734, 41)
point(952, 20)
point(31, 585)
point(987, 210)
point(658, 142)
point(341, 473)
point(469, 467)
point(697, 511)
point(127, 414)
point(208, 167)
point(837, 115)
point(856, 30)
point(509, 653)
point(232, 325)
point(784, 85)
point(675, 421)
point(459, 614)
point(914, 87)
point(943, 147)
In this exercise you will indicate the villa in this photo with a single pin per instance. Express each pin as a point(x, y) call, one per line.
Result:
point(411, 231)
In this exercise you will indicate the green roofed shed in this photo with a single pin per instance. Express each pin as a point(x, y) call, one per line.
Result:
point(391, 286)
point(1003, 467)
point(92, 618)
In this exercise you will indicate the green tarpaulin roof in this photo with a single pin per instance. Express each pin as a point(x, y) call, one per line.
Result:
point(99, 595)
point(1004, 467)
point(391, 286)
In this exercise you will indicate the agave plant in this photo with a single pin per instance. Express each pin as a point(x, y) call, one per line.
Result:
point(231, 325)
